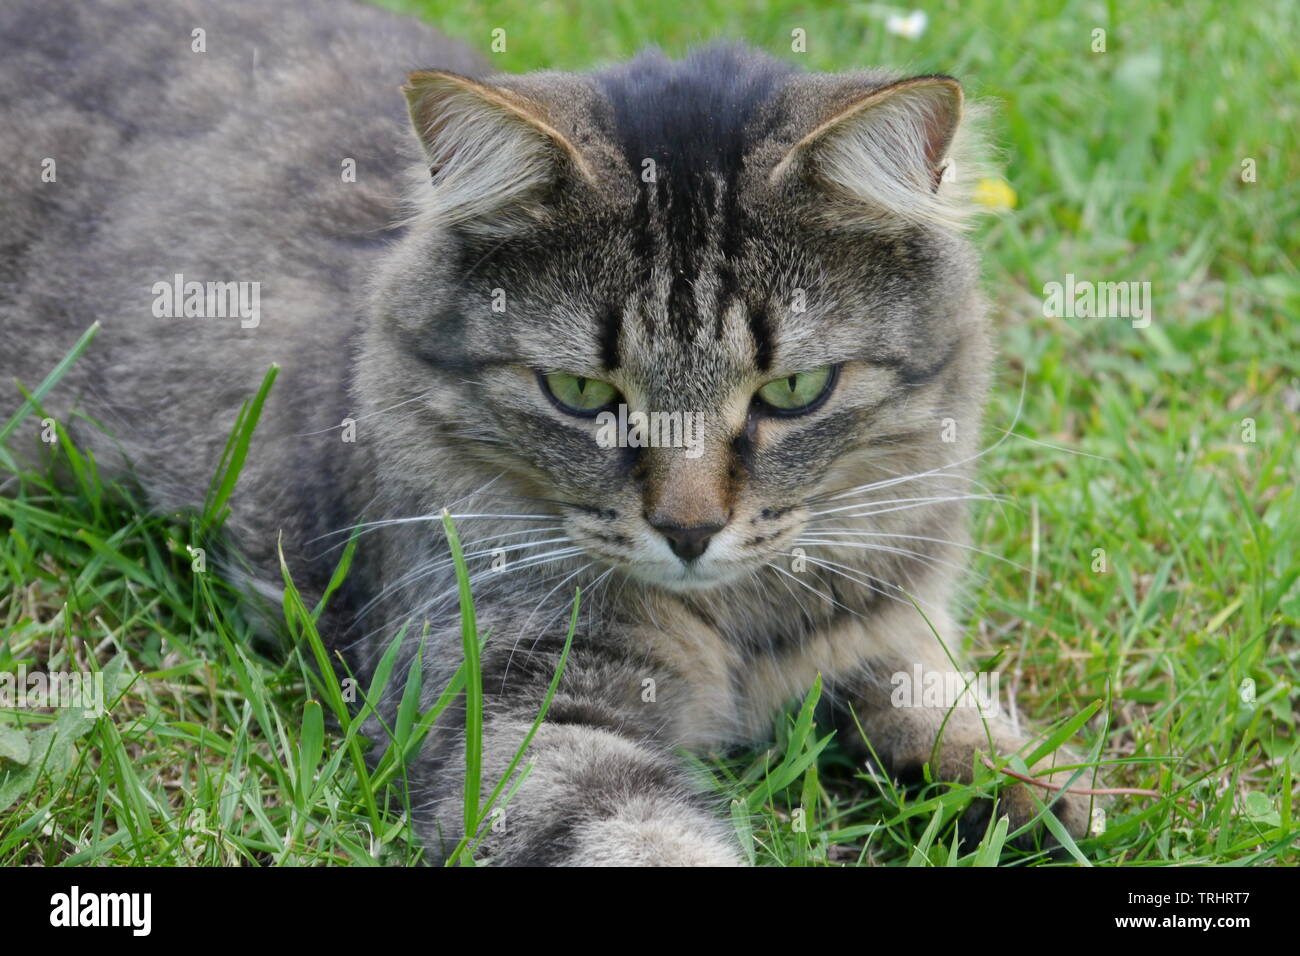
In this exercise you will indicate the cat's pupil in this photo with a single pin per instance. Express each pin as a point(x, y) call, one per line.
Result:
point(790, 381)
point(582, 385)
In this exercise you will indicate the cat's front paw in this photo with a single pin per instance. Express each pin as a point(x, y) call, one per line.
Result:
point(1022, 804)
point(633, 839)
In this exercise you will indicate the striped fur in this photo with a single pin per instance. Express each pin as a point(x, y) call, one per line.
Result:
point(792, 221)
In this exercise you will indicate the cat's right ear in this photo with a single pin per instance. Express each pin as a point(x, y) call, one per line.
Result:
point(492, 152)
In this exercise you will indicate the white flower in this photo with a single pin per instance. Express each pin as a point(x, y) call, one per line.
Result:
point(910, 26)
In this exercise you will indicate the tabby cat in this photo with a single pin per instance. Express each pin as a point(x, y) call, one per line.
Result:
point(701, 338)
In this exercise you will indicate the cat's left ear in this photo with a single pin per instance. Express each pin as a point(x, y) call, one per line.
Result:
point(492, 151)
point(882, 152)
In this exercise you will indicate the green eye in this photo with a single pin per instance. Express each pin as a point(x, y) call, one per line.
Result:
point(800, 392)
point(577, 395)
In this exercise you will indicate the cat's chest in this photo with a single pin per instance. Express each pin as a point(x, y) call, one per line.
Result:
point(726, 691)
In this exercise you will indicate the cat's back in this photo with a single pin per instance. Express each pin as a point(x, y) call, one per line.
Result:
point(255, 142)
point(111, 91)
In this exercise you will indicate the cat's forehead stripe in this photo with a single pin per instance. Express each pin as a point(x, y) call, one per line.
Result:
point(691, 116)
point(611, 329)
point(690, 120)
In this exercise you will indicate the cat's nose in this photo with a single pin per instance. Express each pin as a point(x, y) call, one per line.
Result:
point(688, 543)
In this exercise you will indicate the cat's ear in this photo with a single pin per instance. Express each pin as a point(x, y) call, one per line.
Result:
point(492, 152)
point(884, 152)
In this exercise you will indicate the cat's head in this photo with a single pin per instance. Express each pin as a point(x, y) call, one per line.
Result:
point(760, 266)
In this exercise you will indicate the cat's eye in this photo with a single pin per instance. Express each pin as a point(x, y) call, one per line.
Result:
point(799, 393)
point(578, 395)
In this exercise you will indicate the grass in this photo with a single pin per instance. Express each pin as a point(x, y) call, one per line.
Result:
point(1159, 537)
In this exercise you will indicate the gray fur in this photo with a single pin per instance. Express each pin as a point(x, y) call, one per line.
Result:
point(377, 303)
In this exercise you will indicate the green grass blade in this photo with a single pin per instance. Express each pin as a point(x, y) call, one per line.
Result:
point(48, 383)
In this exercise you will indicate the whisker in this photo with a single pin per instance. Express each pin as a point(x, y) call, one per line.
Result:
point(447, 561)
point(885, 483)
point(1006, 433)
point(848, 573)
point(415, 519)
point(523, 629)
point(365, 415)
point(825, 597)
point(921, 537)
point(908, 502)
point(931, 560)
point(535, 560)
point(1068, 451)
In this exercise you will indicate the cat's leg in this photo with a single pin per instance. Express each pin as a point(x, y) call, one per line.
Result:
point(604, 786)
point(903, 697)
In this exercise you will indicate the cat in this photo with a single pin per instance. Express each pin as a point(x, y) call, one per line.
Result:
point(465, 285)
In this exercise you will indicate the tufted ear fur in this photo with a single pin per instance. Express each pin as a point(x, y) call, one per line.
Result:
point(492, 152)
point(880, 153)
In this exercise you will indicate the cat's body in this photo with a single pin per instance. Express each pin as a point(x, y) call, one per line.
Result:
point(786, 222)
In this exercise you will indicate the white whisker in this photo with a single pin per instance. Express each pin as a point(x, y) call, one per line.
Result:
point(907, 502)
point(920, 537)
point(931, 560)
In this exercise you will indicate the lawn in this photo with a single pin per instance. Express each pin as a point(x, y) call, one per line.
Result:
point(1142, 574)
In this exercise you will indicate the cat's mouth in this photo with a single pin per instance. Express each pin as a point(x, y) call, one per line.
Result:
point(676, 569)
point(689, 577)
point(652, 563)
point(668, 559)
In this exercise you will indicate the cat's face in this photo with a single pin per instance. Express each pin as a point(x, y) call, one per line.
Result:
point(689, 363)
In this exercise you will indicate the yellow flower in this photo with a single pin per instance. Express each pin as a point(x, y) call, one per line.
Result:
point(995, 194)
